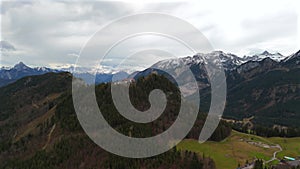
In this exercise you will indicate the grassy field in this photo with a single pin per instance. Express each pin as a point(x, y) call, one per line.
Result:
point(240, 147)
point(290, 146)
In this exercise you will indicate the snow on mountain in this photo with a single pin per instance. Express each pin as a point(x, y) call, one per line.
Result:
point(258, 57)
point(228, 60)
point(73, 69)
point(5, 68)
point(91, 70)
point(45, 69)
point(20, 66)
point(104, 74)
point(21, 70)
point(9, 75)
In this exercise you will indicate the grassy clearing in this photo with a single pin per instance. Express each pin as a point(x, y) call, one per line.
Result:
point(290, 146)
point(232, 151)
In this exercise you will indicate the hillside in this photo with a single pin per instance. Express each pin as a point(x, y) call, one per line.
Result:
point(270, 93)
point(263, 88)
point(39, 127)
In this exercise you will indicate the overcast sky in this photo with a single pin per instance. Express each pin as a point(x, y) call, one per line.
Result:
point(52, 33)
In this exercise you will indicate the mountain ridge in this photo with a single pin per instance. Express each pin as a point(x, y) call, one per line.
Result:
point(20, 70)
point(268, 81)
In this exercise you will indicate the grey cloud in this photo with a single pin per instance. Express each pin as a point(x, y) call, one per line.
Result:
point(46, 32)
point(271, 27)
point(6, 46)
point(50, 31)
point(6, 5)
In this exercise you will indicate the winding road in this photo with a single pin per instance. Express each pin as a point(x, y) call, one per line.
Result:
point(275, 153)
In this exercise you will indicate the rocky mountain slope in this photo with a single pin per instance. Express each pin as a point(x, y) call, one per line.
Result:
point(266, 86)
point(267, 90)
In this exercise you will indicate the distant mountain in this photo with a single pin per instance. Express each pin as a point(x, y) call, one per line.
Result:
point(266, 89)
point(228, 60)
point(102, 77)
point(20, 70)
point(292, 60)
point(266, 86)
point(258, 57)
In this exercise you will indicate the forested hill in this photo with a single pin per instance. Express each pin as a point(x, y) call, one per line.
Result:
point(39, 127)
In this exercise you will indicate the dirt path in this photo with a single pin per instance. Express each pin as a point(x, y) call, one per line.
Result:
point(49, 136)
point(275, 153)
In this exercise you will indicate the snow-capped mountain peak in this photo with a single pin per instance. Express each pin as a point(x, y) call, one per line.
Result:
point(259, 57)
point(20, 66)
point(227, 59)
point(9, 75)
point(266, 53)
point(41, 68)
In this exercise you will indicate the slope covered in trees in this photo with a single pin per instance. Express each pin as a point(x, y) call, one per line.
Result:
point(45, 116)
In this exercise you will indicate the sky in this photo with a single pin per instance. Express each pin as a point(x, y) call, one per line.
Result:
point(53, 33)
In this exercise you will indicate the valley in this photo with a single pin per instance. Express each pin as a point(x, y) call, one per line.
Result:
point(239, 149)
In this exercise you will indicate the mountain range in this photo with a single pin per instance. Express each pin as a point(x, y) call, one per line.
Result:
point(20, 70)
point(229, 61)
point(265, 87)
point(270, 83)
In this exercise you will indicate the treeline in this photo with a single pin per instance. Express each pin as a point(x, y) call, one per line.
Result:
point(268, 131)
point(276, 132)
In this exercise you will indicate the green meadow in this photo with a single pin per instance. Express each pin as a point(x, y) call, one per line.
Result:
point(239, 148)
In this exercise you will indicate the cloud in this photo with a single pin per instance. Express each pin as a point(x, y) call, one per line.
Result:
point(50, 30)
point(6, 46)
point(46, 33)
